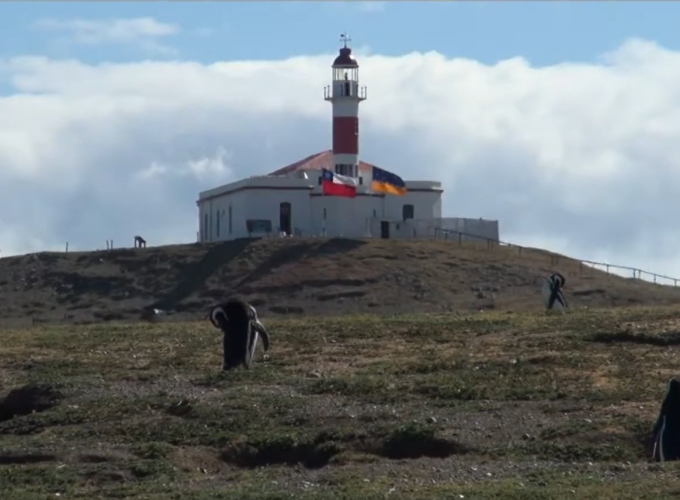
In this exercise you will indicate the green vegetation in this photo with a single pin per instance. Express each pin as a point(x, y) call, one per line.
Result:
point(484, 406)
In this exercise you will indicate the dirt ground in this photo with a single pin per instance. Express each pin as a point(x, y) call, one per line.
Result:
point(299, 276)
point(485, 405)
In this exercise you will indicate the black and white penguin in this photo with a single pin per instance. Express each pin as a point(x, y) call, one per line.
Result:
point(241, 330)
point(667, 428)
point(553, 293)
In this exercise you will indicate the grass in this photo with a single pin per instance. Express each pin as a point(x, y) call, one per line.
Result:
point(300, 276)
point(483, 406)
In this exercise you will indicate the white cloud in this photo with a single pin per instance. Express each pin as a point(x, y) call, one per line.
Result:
point(213, 168)
point(154, 171)
point(142, 31)
point(582, 158)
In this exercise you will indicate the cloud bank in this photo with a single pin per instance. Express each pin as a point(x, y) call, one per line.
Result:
point(580, 158)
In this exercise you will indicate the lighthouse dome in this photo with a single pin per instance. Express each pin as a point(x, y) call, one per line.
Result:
point(346, 59)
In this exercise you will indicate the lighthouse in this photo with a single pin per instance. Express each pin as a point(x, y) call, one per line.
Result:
point(345, 94)
point(291, 200)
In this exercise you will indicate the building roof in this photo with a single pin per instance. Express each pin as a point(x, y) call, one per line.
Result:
point(345, 58)
point(317, 161)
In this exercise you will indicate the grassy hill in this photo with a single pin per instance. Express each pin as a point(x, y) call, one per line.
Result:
point(502, 406)
point(294, 276)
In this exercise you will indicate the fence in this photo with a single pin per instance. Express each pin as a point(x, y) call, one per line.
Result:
point(490, 243)
point(429, 228)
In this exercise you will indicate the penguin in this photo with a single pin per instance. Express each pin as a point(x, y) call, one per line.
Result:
point(553, 294)
point(667, 427)
point(241, 330)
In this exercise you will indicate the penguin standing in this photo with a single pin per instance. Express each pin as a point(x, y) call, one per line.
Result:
point(241, 330)
point(553, 293)
point(667, 427)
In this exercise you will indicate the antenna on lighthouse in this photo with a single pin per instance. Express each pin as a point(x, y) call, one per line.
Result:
point(344, 38)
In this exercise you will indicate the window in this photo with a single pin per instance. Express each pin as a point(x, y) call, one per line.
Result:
point(407, 212)
point(230, 221)
point(206, 227)
point(375, 213)
point(361, 181)
point(320, 179)
point(344, 169)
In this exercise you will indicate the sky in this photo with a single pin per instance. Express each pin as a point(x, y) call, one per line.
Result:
point(560, 119)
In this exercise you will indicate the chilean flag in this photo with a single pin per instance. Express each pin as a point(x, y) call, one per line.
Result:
point(338, 185)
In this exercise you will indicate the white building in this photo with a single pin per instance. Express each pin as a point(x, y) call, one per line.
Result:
point(290, 200)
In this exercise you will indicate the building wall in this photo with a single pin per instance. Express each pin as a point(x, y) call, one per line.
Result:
point(315, 215)
point(266, 204)
point(219, 217)
point(336, 216)
point(426, 205)
point(262, 204)
point(312, 214)
point(443, 228)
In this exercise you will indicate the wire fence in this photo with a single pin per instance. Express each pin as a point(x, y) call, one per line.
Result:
point(461, 238)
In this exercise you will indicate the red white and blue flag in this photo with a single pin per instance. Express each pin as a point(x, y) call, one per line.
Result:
point(333, 184)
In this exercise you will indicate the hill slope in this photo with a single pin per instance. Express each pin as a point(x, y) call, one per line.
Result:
point(311, 276)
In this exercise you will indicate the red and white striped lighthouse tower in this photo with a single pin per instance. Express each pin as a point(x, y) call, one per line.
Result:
point(345, 95)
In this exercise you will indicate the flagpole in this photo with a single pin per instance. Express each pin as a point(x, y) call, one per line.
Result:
point(354, 202)
point(323, 207)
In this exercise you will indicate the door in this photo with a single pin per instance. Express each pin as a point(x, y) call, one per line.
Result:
point(285, 218)
point(385, 229)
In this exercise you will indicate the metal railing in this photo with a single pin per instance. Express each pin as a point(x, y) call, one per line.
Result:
point(639, 274)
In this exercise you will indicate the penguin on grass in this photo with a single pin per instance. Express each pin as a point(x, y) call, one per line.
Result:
point(241, 330)
point(553, 293)
point(667, 427)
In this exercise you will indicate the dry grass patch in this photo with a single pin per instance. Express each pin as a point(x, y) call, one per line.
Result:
point(297, 276)
point(488, 406)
